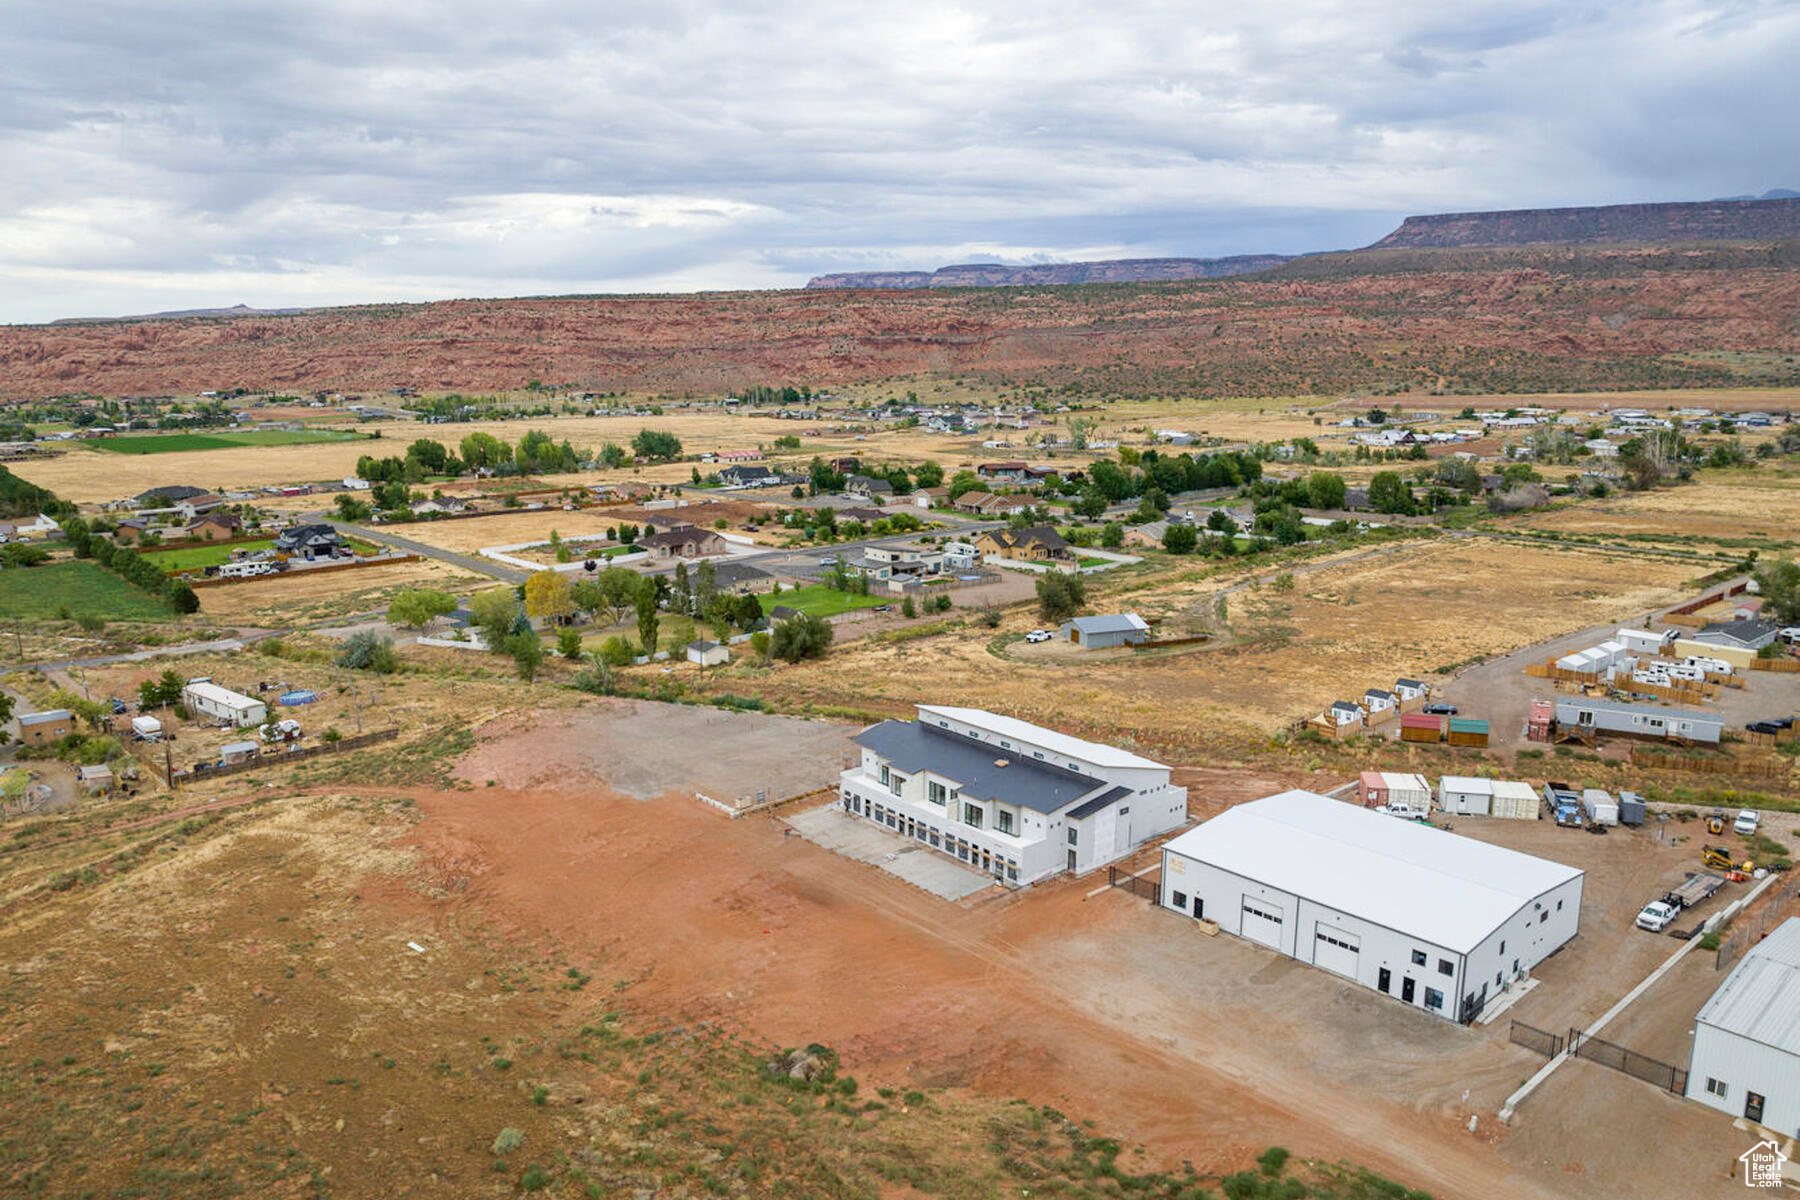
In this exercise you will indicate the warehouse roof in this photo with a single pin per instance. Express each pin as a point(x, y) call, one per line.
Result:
point(1447, 890)
point(981, 770)
point(1760, 999)
point(1097, 753)
point(1109, 623)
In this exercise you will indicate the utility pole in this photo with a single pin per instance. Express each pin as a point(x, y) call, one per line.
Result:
point(169, 763)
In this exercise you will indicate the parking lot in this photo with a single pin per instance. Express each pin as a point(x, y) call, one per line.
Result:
point(855, 838)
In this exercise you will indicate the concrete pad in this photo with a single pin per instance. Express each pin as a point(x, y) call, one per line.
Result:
point(863, 840)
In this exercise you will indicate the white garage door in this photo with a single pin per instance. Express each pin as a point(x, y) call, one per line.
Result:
point(1262, 922)
point(1336, 950)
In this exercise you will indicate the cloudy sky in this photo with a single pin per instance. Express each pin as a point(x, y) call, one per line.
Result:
point(162, 154)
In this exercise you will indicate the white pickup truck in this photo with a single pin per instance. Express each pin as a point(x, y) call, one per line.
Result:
point(1656, 916)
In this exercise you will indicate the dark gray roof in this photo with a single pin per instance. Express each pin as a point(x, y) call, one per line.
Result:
point(175, 492)
point(1088, 809)
point(1411, 683)
point(1742, 631)
point(729, 574)
point(1026, 782)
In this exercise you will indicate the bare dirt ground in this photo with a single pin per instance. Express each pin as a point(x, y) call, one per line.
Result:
point(1023, 995)
point(1722, 504)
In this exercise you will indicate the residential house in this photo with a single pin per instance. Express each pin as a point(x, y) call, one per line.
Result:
point(683, 541)
point(315, 538)
point(1036, 543)
point(748, 475)
point(1106, 631)
point(1410, 689)
point(930, 497)
point(868, 488)
point(959, 556)
point(193, 507)
point(353, 484)
point(131, 531)
point(985, 504)
point(164, 497)
point(1005, 472)
point(1738, 634)
point(39, 527)
point(439, 506)
point(782, 612)
point(214, 527)
point(1012, 800)
point(905, 562)
point(739, 456)
point(868, 516)
point(1344, 712)
point(1379, 700)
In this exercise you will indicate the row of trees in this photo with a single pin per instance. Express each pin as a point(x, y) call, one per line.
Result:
point(537, 453)
point(129, 565)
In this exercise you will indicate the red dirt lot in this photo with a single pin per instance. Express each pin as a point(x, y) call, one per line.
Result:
point(1201, 1049)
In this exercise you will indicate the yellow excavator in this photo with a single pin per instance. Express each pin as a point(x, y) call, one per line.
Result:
point(1715, 821)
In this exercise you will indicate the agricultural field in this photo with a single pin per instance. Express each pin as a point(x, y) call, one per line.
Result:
point(75, 588)
point(1286, 648)
point(174, 443)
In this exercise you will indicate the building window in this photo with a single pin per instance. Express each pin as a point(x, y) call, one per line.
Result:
point(885, 777)
point(934, 792)
point(1073, 839)
point(1499, 978)
point(1434, 998)
point(1716, 1087)
point(1012, 870)
point(936, 840)
point(899, 782)
point(1003, 821)
point(1503, 949)
point(1418, 957)
point(972, 815)
point(1559, 906)
point(1179, 900)
point(1446, 967)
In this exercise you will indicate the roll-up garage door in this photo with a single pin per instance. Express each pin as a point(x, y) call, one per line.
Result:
point(1262, 922)
point(1336, 950)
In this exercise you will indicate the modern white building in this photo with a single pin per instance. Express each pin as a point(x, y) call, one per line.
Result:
point(205, 698)
point(1746, 1057)
point(1009, 798)
point(1437, 921)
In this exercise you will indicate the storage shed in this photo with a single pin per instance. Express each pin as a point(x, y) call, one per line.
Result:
point(1379, 700)
point(1436, 921)
point(1421, 727)
point(1468, 731)
point(1746, 1056)
point(1642, 641)
point(96, 780)
point(708, 654)
point(237, 752)
point(1515, 800)
point(1465, 795)
point(1113, 629)
point(41, 728)
point(1540, 721)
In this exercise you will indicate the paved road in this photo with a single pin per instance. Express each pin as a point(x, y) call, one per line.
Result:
point(468, 562)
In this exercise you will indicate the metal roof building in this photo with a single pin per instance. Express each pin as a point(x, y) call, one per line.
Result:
point(1112, 629)
point(1638, 720)
point(1436, 920)
point(1746, 1056)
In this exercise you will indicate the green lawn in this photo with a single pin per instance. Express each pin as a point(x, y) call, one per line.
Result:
point(83, 588)
point(821, 601)
point(1090, 560)
point(165, 443)
point(197, 558)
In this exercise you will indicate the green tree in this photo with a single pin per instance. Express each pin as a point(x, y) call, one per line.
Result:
point(1060, 596)
point(1180, 539)
point(612, 455)
point(1779, 580)
point(365, 651)
point(929, 475)
point(183, 598)
point(656, 445)
point(803, 635)
point(416, 608)
point(527, 653)
point(648, 592)
point(1325, 489)
point(494, 613)
point(429, 454)
point(1388, 493)
point(1112, 535)
point(963, 482)
point(350, 508)
point(618, 588)
point(615, 651)
point(568, 644)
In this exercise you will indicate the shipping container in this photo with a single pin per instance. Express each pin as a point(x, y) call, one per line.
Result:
point(1515, 801)
point(1631, 808)
point(1598, 806)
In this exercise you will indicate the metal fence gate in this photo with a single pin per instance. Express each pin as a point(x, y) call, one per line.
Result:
point(1664, 1075)
point(1547, 1044)
point(1149, 889)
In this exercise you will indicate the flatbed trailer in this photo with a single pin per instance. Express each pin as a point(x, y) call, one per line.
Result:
point(1698, 887)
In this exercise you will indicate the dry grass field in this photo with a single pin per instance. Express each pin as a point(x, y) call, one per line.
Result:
point(1719, 504)
point(1352, 622)
point(286, 600)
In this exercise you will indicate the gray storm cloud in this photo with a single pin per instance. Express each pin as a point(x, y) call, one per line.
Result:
point(179, 153)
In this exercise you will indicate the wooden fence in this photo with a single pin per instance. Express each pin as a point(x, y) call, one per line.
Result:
point(1788, 665)
point(278, 758)
point(349, 564)
point(1646, 756)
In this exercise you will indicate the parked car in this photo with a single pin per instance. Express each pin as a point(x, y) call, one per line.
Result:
point(1441, 710)
point(1656, 916)
point(884, 608)
point(1038, 635)
point(1746, 822)
point(1763, 727)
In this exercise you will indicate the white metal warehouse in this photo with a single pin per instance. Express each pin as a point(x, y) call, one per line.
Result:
point(1435, 920)
point(1746, 1057)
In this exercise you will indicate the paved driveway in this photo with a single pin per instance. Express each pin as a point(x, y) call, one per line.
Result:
point(860, 839)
